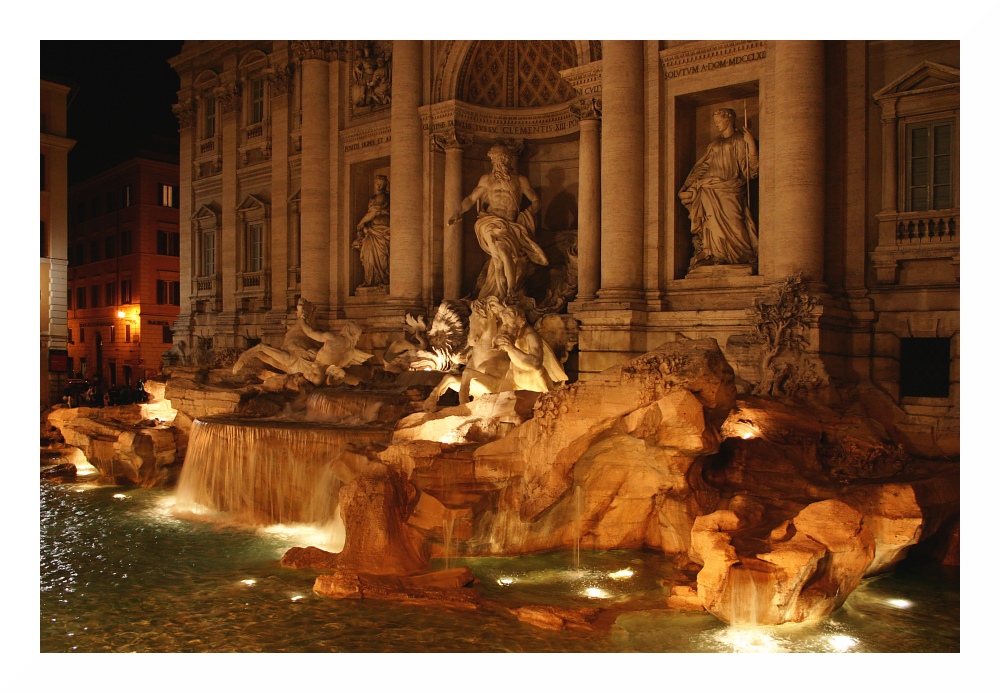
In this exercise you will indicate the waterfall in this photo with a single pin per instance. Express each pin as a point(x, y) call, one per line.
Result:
point(577, 524)
point(352, 407)
point(449, 526)
point(750, 594)
point(263, 472)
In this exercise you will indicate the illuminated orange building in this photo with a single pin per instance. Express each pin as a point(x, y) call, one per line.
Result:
point(124, 290)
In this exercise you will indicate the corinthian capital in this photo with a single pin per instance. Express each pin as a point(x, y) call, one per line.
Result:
point(586, 109)
point(451, 139)
point(184, 112)
point(281, 80)
point(228, 97)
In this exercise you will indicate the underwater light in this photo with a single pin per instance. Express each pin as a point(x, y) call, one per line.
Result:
point(297, 597)
point(623, 574)
point(901, 603)
point(505, 581)
point(842, 643)
point(595, 593)
point(249, 582)
point(119, 496)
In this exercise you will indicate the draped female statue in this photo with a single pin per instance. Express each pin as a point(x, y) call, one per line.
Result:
point(372, 241)
point(715, 193)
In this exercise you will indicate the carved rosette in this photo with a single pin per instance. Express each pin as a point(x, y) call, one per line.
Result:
point(450, 139)
point(228, 98)
point(281, 80)
point(185, 113)
point(586, 109)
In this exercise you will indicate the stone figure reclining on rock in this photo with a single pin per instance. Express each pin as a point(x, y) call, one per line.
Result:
point(321, 360)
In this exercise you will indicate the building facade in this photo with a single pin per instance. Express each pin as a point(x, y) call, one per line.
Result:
point(55, 148)
point(124, 271)
point(849, 181)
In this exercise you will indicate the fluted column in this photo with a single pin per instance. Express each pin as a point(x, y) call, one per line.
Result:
point(189, 252)
point(588, 240)
point(280, 82)
point(622, 187)
point(453, 144)
point(406, 174)
point(796, 242)
point(315, 193)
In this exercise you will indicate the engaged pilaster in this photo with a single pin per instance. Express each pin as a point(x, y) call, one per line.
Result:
point(453, 144)
point(796, 243)
point(406, 174)
point(622, 172)
point(588, 238)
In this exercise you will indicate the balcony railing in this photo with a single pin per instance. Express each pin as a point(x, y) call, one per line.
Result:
point(914, 228)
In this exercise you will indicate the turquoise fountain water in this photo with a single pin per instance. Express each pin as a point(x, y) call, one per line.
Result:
point(121, 573)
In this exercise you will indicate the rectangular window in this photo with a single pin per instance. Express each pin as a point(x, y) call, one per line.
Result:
point(256, 100)
point(127, 375)
point(83, 340)
point(208, 253)
point(169, 195)
point(168, 243)
point(81, 300)
point(113, 370)
point(208, 106)
point(256, 249)
point(69, 299)
point(126, 291)
point(109, 294)
point(109, 246)
point(168, 335)
point(111, 334)
point(126, 196)
point(95, 295)
point(168, 293)
point(95, 250)
point(69, 338)
point(126, 242)
point(924, 366)
point(929, 166)
point(128, 332)
point(111, 201)
point(78, 254)
point(43, 171)
point(45, 242)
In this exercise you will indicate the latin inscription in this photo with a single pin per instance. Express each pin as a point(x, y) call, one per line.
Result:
point(375, 141)
point(716, 64)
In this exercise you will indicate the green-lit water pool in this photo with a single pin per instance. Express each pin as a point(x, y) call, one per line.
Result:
point(119, 573)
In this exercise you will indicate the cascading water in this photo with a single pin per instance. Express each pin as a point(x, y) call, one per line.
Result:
point(744, 606)
point(577, 524)
point(449, 526)
point(260, 472)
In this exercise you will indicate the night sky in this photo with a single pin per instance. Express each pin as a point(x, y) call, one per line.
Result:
point(122, 105)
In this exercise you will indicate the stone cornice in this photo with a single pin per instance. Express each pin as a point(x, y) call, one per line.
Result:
point(280, 78)
point(319, 50)
point(228, 97)
point(585, 79)
point(488, 124)
point(703, 56)
point(57, 141)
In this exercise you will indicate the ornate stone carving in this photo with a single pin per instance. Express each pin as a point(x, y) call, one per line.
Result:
point(371, 76)
point(504, 232)
point(716, 195)
point(184, 111)
point(320, 357)
point(228, 97)
point(312, 50)
point(281, 79)
point(705, 56)
point(586, 109)
point(516, 74)
point(451, 139)
point(372, 241)
point(780, 324)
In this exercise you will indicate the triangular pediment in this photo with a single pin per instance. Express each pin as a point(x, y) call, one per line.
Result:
point(251, 203)
point(926, 76)
point(209, 211)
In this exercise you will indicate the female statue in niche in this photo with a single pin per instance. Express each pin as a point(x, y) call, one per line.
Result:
point(372, 241)
point(715, 194)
